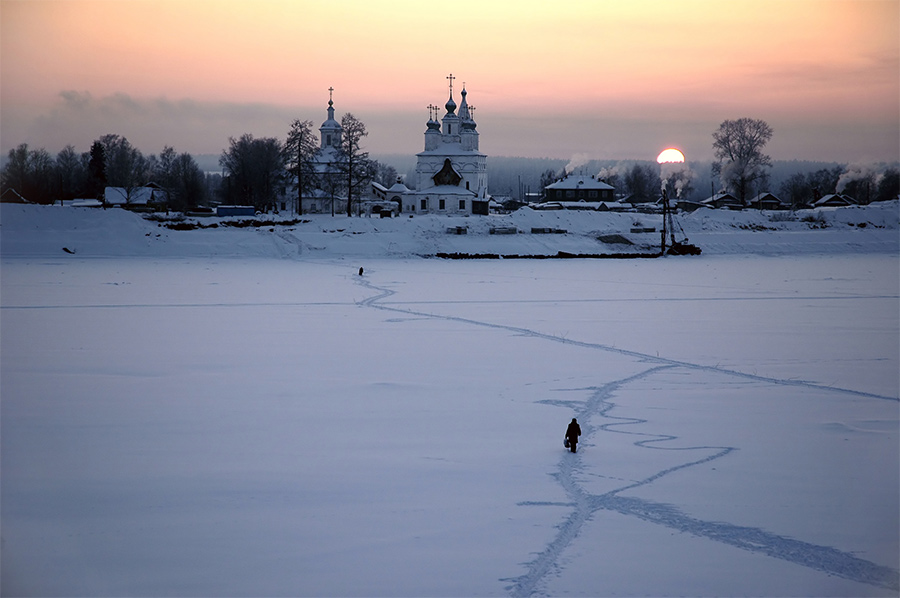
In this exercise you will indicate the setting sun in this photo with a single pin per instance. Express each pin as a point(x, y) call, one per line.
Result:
point(670, 155)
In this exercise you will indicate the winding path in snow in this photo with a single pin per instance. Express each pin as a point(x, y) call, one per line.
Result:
point(822, 558)
point(585, 504)
point(384, 293)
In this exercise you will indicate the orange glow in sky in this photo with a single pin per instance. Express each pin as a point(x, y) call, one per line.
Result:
point(614, 79)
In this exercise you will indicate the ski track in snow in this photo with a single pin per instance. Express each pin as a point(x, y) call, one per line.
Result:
point(584, 504)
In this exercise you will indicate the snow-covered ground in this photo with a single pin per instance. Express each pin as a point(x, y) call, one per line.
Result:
point(239, 412)
point(30, 231)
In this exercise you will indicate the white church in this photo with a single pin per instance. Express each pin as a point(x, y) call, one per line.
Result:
point(328, 194)
point(451, 174)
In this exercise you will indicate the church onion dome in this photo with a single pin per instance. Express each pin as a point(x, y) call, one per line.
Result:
point(467, 122)
point(450, 105)
point(434, 125)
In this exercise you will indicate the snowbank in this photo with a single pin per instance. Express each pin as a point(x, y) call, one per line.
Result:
point(52, 230)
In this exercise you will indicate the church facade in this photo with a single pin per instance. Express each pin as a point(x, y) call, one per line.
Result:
point(328, 194)
point(451, 172)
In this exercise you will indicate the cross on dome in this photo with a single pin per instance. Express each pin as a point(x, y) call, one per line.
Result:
point(450, 105)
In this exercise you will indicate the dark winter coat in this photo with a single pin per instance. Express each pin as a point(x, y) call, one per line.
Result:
point(573, 431)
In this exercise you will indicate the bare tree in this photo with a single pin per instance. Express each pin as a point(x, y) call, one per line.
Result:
point(254, 171)
point(384, 174)
point(299, 151)
point(548, 177)
point(16, 171)
point(164, 175)
point(31, 173)
point(70, 173)
point(355, 163)
point(643, 183)
point(189, 182)
point(125, 166)
point(740, 161)
point(889, 186)
point(181, 177)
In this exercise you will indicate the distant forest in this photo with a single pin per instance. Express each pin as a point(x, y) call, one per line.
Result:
point(520, 179)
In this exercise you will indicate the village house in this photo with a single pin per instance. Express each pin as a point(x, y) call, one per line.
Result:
point(722, 200)
point(834, 200)
point(579, 188)
point(147, 198)
point(766, 201)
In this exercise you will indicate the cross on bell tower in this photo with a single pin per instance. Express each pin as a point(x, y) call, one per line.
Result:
point(451, 78)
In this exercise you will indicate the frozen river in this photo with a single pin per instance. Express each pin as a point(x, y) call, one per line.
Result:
point(270, 427)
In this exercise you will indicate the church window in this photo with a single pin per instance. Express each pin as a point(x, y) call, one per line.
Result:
point(450, 129)
point(441, 205)
point(328, 140)
point(424, 204)
point(467, 185)
point(462, 204)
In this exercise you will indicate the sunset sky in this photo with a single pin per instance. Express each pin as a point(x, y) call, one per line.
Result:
point(599, 78)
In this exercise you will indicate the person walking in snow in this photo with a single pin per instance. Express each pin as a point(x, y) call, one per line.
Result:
point(572, 434)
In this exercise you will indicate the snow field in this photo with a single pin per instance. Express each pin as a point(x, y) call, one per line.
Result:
point(202, 425)
point(249, 427)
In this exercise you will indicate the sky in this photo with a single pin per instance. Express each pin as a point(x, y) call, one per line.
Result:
point(592, 78)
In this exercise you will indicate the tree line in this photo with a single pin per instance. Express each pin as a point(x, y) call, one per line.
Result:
point(262, 172)
point(111, 162)
point(266, 172)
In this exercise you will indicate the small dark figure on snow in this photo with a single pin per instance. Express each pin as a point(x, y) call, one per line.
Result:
point(572, 434)
point(360, 271)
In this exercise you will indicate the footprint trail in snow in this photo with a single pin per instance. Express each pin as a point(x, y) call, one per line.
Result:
point(584, 504)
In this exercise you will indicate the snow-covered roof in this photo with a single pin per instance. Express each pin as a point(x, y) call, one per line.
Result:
point(835, 199)
point(573, 181)
point(398, 187)
point(725, 198)
point(136, 196)
point(765, 196)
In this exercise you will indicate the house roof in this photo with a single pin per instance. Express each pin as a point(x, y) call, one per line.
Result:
point(765, 197)
point(398, 187)
point(720, 197)
point(137, 196)
point(835, 199)
point(580, 182)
